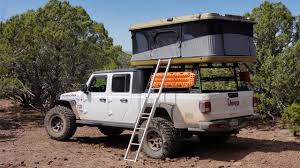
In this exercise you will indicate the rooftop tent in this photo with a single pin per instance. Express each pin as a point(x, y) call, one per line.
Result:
point(196, 38)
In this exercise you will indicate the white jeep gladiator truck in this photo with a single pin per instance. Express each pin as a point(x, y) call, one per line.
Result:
point(111, 101)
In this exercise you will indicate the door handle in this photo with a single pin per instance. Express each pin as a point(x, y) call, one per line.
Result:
point(102, 100)
point(124, 100)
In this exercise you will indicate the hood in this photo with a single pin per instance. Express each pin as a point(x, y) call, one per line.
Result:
point(72, 96)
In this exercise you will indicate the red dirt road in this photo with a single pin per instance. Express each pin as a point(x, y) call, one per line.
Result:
point(24, 143)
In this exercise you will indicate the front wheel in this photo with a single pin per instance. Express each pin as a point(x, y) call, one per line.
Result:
point(60, 123)
point(160, 138)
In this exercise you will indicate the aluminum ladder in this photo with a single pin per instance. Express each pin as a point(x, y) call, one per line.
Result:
point(147, 116)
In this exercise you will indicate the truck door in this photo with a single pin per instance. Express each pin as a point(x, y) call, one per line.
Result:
point(96, 103)
point(119, 96)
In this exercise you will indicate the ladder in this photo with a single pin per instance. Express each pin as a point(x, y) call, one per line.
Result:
point(147, 116)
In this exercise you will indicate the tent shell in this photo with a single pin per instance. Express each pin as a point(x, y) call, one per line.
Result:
point(199, 38)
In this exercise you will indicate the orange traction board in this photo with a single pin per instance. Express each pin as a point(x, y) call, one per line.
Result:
point(175, 80)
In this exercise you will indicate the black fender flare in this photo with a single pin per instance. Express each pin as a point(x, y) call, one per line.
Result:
point(71, 104)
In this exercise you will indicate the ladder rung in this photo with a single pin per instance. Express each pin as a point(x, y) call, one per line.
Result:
point(130, 160)
point(145, 117)
point(137, 144)
point(146, 114)
point(139, 128)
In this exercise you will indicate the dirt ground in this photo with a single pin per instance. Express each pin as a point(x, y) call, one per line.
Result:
point(24, 143)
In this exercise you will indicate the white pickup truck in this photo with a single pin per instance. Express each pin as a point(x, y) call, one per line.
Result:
point(111, 101)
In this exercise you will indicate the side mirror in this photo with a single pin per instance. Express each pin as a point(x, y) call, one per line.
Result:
point(84, 88)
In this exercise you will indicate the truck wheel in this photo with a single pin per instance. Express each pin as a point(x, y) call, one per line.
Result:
point(111, 131)
point(60, 123)
point(160, 138)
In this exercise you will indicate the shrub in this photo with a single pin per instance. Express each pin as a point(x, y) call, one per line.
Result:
point(52, 50)
point(291, 116)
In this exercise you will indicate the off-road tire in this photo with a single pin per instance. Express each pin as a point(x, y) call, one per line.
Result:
point(168, 135)
point(68, 123)
point(111, 131)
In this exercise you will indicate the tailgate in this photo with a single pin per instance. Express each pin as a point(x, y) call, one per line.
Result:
point(230, 105)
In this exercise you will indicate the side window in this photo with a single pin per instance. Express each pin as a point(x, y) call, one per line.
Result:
point(120, 83)
point(165, 38)
point(140, 43)
point(197, 29)
point(98, 84)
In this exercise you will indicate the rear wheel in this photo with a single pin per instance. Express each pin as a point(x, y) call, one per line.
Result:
point(111, 131)
point(60, 123)
point(160, 138)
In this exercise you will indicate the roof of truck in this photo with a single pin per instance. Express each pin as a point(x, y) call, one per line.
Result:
point(190, 18)
point(116, 70)
point(122, 70)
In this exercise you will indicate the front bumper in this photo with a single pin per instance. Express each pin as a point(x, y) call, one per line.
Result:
point(225, 125)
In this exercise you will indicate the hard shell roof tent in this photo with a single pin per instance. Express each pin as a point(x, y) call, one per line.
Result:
point(199, 38)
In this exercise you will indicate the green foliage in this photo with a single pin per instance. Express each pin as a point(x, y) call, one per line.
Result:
point(297, 28)
point(52, 50)
point(291, 116)
point(218, 84)
point(286, 77)
point(274, 75)
point(273, 31)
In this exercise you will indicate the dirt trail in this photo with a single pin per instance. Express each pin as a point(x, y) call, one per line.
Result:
point(24, 143)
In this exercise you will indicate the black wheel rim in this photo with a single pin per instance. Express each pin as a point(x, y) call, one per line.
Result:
point(154, 140)
point(57, 124)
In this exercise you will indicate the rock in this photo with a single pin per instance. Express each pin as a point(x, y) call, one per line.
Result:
point(49, 163)
point(173, 160)
point(167, 159)
point(23, 163)
point(286, 131)
point(65, 159)
point(237, 164)
point(36, 162)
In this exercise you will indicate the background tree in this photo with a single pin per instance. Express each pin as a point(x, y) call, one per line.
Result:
point(273, 33)
point(297, 33)
point(52, 50)
point(286, 77)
